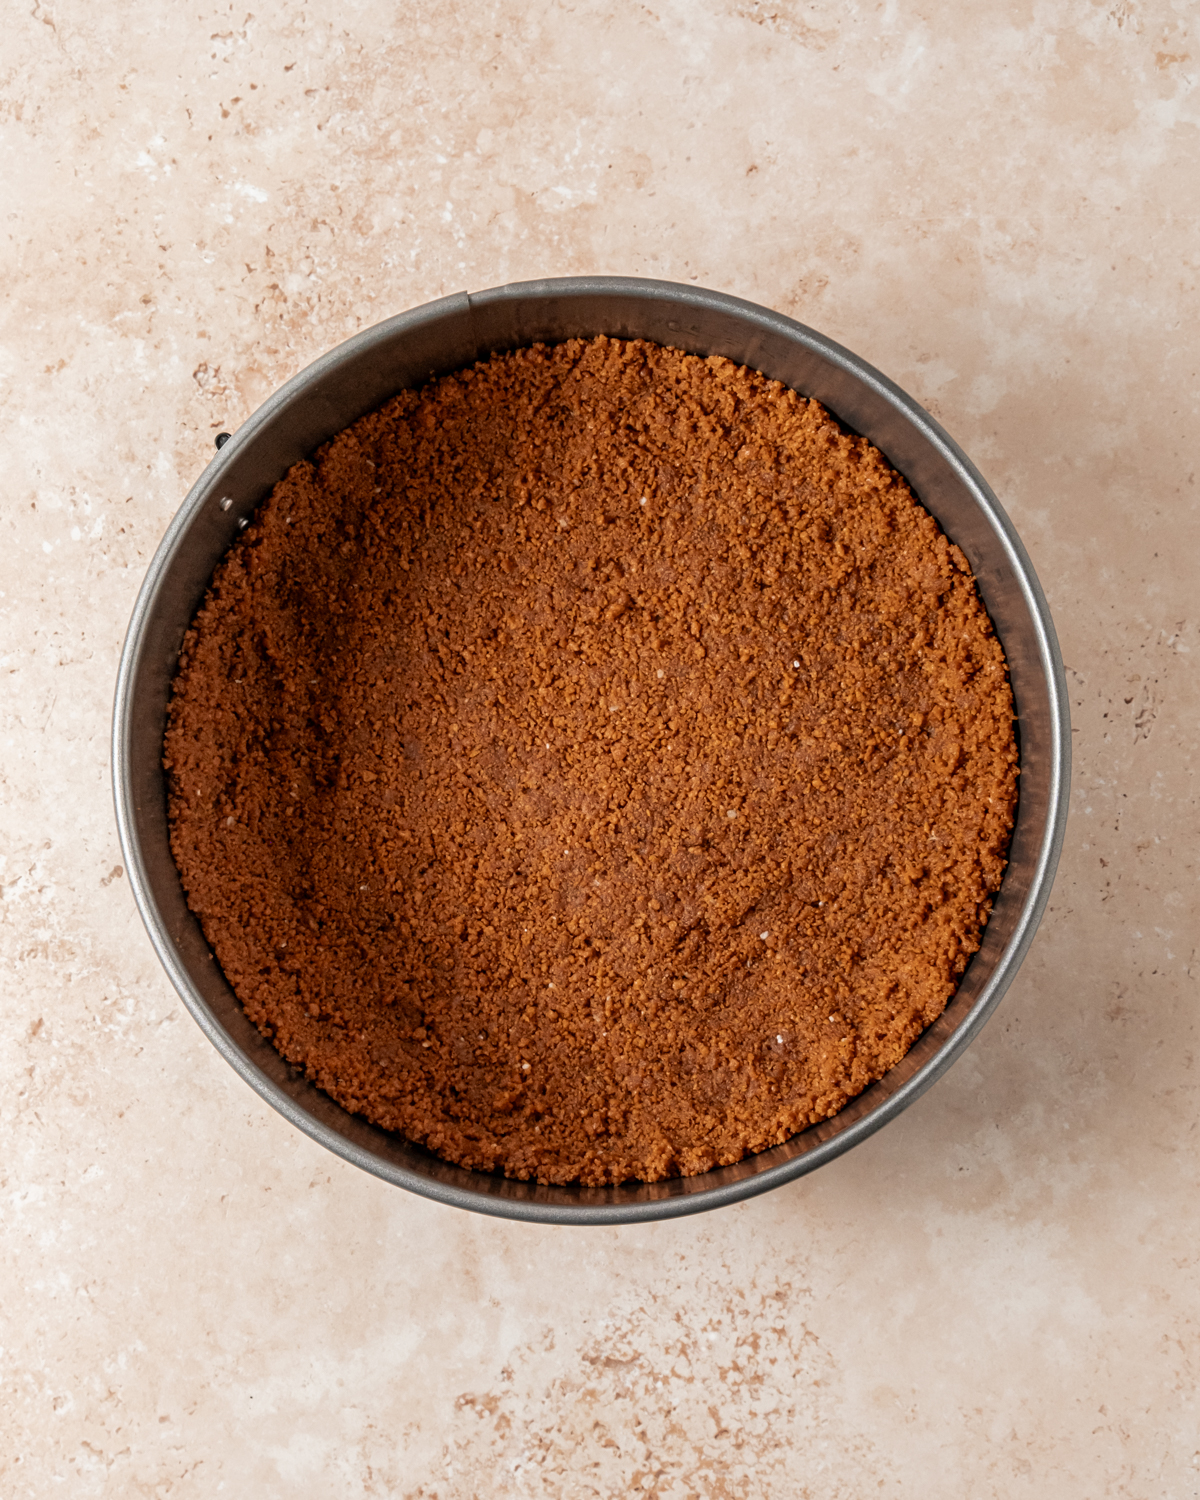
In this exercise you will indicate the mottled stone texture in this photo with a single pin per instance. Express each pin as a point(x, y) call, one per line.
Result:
point(998, 1295)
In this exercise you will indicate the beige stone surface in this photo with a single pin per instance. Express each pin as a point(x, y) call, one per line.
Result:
point(999, 1295)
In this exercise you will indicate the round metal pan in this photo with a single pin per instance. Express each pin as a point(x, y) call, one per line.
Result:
point(446, 335)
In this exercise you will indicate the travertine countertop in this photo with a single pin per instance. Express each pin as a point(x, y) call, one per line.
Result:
point(999, 1295)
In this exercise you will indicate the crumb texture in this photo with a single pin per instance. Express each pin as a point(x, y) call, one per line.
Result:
point(595, 766)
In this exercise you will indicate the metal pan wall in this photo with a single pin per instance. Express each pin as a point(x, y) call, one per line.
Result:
point(406, 351)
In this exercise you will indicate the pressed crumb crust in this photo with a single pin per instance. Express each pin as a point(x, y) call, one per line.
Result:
point(595, 766)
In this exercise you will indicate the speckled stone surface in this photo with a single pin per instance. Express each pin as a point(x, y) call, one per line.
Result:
point(997, 1296)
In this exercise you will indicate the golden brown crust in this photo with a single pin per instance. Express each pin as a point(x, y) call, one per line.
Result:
point(595, 766)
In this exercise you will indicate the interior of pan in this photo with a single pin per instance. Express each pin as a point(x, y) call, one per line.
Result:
point(446, 335)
